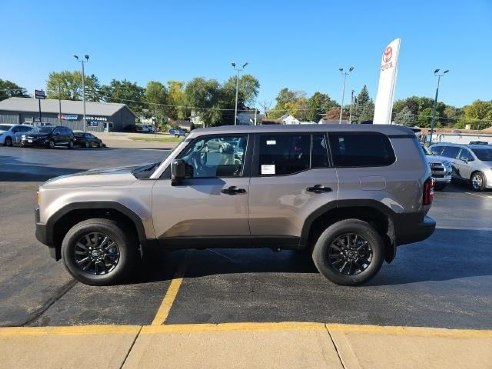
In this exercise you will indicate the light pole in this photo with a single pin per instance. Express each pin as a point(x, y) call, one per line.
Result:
point(438, 75)
point(86, 57)
point(238, 69)
point(351, 103)
point(345, 74)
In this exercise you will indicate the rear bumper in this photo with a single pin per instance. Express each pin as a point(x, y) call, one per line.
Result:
point(410, 228)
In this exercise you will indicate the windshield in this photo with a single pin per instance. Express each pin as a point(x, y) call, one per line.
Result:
point(45, 129)
point(426, 150)
point(483, 153)
point(4, 127)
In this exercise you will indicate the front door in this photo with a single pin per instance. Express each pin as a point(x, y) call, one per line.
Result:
point(210, 207)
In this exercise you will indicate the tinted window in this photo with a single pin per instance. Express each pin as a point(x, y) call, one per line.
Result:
point(450, 151)
point(319, 152)
point(215, 156)
point(5, 127)
point(483, 153)
point(284, 154)
point(436, 150)
point(361, 149)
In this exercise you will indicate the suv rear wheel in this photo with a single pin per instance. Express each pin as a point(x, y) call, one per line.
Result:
point(349, 252)
point(98, 252)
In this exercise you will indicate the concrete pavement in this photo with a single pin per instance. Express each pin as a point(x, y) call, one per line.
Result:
point(244, 345)
point(122, 140)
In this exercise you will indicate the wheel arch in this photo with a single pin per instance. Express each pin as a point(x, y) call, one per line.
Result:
point(370, 211)
point(65, 218)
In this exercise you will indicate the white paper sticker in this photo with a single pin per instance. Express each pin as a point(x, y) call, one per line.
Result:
point(268, 169)
point(271, 142)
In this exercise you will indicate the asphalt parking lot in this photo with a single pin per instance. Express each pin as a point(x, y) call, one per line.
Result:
point(445, 281)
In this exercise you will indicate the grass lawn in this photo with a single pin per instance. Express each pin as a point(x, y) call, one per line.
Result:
point(158, 139)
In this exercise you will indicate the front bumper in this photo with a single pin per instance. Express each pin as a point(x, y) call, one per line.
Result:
point(43, 236)
point(410, 228)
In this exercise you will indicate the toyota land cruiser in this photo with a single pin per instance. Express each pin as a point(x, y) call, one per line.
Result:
point(348, 194)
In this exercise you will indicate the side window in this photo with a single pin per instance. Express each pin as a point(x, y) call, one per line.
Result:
point(215, 156)
point(319, 152)
point(365, 149)
point(450, 152)
point(57, 131)
point(284, 153)
point(465, 155)
point(436, 150)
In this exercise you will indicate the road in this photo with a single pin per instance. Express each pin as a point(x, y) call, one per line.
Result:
point(445, 281)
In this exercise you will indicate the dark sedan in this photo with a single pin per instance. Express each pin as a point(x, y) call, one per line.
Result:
point(49, 136)
point(87, 140)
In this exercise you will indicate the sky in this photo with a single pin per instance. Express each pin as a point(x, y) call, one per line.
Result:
point(295, 44)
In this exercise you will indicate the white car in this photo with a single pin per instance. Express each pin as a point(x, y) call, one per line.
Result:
point(11, 133)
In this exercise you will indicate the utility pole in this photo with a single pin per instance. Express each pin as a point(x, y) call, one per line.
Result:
point(438, 75)
point(83, 85)
point(345, 74)
point(238, 69)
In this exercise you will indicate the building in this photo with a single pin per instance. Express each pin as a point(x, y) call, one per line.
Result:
point(99, 116)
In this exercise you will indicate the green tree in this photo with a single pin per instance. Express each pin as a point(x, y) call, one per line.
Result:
point(155, 99)
point(67, 85)
point(405, 117)
point(176, 100)
point(286, 103)
point(125, 92)
point(203, 96)
point(363, 109)
point(318, 105)
point(425, 117)
point(478, 115)
point(10, 89)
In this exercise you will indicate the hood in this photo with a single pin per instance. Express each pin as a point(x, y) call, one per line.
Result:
point(121, 176)
point(437, 159)
point(37, 134)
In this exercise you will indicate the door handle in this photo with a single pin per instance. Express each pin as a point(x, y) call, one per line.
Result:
point(318, 189)
point(233, 190)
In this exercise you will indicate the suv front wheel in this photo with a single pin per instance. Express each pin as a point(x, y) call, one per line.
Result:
point(98, 252)
point(349, 252)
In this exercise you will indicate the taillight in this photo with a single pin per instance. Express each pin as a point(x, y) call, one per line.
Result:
point(428, 195)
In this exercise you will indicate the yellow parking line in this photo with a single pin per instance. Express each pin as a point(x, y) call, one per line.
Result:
point(244, 327)
point(172, 291)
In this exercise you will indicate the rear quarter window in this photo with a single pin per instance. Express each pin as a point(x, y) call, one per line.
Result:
point(359, 149)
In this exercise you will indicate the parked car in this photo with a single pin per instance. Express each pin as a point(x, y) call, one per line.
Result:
point(50, 137)
point(86, 139)
point(10, 133)
point(350, 195)
point(441, 169)
point(471, 163)
point(178, 132)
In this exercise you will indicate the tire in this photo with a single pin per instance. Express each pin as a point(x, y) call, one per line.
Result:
point(100, 145)
point(70, 144)
point(336, 257)
point(478, 182)
point(51, 144)
point(86, 145)
point(106, 252)
point(8, 141)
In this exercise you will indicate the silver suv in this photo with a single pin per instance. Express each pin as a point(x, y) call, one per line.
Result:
point(471, 163)
point(348, 194)
point(441, 169)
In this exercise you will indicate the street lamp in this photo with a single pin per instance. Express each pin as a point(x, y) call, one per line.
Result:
point(238, 69)
point(345, 74)
point(438, 75)
point(81, 60)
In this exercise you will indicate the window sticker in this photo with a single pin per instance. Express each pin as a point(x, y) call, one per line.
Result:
point(271, 142)
point(267, 169)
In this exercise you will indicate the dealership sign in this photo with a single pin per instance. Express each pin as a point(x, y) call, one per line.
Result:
point(68, 116)
point(387, 81)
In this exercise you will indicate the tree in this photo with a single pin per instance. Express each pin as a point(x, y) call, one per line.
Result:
point(67, 85)
point(318, 105)
point(176, 100)
point(286, 100)
point(125, 92)
point(155, 99)
point(203, 96)
point(363, 109)
point(478, 115)
point(10, 89)
point(405, 117)
point(425, 117)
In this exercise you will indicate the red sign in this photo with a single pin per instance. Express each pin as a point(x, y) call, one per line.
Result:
point(387, 54)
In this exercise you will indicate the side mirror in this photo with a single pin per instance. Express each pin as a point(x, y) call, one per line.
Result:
point(178, 172)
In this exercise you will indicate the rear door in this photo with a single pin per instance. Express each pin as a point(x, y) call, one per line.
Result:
point(291, 178)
